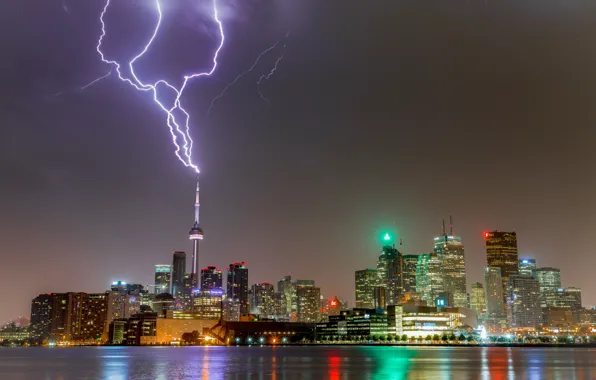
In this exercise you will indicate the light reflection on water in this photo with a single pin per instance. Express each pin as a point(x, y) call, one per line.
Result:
point(280, 363)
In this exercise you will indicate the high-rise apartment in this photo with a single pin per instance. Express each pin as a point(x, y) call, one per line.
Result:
point(478, 299)
point(494, 293)
point(263, 300)
point(237, 285)
point(523, 304)
point(308, 301)
point(550, 281)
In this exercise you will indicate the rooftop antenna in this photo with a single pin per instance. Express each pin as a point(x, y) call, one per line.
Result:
point(450, 225)
point(443, 226)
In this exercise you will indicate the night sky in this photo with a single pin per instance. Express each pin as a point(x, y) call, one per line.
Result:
point(384, 115)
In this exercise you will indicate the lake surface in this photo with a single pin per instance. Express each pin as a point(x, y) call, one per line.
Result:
point(280, 363)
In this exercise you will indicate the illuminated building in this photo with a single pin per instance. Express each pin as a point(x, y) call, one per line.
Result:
point(390, 271)
point(356, 324)
point(123, 300)
point(195, 235)
point(285, 287)
point(478, 299)
point(379, 297)
point(308, 304)
point(501, 252)
point(163, 302)
point(141, 329)
point(409, 274)
point(208, 303)
point(527, 267)
point(94, 317)
point(523, 302)
point(568, 298)
point(421, 321)
point(280, 307)
point(550, 281)
point(494, 293)
point(335, 306)
point(178, 272)
point(263, 300)
point(211, 278)
point(450, 250)
point(429, 277)
point(237, 285)
point(41, 316)
point(163, 278)
point(231, 309)
point(366, 281)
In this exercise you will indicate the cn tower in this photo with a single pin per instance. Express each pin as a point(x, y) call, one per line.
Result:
point(195, 234)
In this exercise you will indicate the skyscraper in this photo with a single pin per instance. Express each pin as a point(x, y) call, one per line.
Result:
point(429, 277)
point(308, 300)
point(288, 290)
point(478, 299)
point(549, 280)
point(390, 271)
point(501, 252)
point(41, 315)
point(178, 272)
point(237, 286)
point(195, 234)
point(211, 278)
point(523, 305)
point(450, 250)
point(527, 267)
point(409, 273)
point(366, 280)
point(163, 278)
point(263, 300)
point(494, 293)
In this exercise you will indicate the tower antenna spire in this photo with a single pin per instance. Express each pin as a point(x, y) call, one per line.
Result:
point(196, 235)
point(443, 226)
point(450, 225)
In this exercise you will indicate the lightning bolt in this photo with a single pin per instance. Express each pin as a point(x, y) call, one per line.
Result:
point(241, 75)
point(179, 129)
point(267, 76)
point(85, 86)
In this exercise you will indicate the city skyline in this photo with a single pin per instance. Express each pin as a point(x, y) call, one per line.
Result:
point(390, 119)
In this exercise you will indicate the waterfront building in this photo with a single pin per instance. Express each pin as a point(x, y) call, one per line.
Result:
point(523, 303)
point(211, 278)
point(527, 267)
point(41, 316)
point(568, 298)
point(550, 281)
point(208, 303)
point(237, 285)
point(231, 310)
point(501, 252)
point(366, 280)
point(287, 288)
point(163, 278)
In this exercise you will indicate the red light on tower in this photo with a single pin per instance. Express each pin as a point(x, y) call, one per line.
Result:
point(486, 235)
point(333, 303)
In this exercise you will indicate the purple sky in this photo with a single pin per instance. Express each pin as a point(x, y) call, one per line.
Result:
point(383, 116)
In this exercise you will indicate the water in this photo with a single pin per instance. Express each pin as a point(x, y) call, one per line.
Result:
point(278, 363)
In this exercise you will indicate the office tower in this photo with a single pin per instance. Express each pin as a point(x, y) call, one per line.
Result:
point(568, 298)
point(390, 271)
point(123, 300)
point(263, 300)
point(379, 297)
point(366, 281)
point(163, 278)
point(501, 252)
point(527, 267)
point(450, 250)
point(41, 316)
point(429, 277)
point(178, 272)
point(238, 285)
point(281, 307)
point(288, 290)
point(231, 309)
point(409, 273)
point(308, 301)
point(478, 299)
point(196, 235)
point(211, 278)
point(494, 293)
point(523, 304)
point(207, 303)
point(549, 280)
